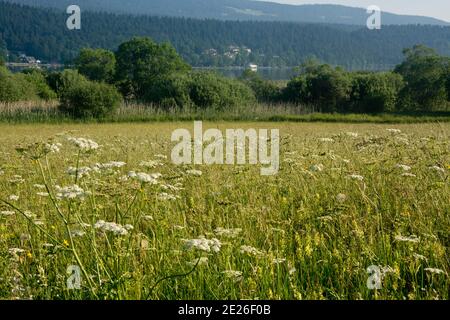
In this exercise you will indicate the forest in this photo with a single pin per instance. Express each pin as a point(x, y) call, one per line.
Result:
point(214, 43)
point(144, 71)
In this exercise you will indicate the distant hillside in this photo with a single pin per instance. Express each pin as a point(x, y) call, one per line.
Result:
point(214, 42)
point(236, 10)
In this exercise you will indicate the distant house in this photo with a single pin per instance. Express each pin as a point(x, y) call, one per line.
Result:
point(253, 67)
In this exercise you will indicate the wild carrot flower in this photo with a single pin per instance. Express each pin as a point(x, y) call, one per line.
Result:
point(84, 144)
point(356, 177)
point(234, 275)
point(113, 227)
point(395, 131)
point(437, 169)
point(203, 244)
point(412, 239)
point(196, 173)
point(145, 177)
point(71, 192)
point(403, 167)
point(251, 251)
point(200, 262)
point(316, 168)
point(231, 233)
point(434, 270)
point(341, 198)
point(13, 197)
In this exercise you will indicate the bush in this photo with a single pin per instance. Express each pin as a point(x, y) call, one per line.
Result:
point(265, 91)
point(325, 87)
point(88, 99)
point(211, 90)
point(96, 64)
point(375, 92)
point(15, 87)
point(170, 91)
point(38, 80)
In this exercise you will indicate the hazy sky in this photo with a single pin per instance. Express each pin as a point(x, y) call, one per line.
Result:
point(433, 8)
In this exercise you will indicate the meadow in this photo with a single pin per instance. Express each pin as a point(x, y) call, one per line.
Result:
point(348, 197)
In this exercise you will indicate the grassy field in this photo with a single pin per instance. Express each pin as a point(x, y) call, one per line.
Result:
point(347, 197)
point(48, 113)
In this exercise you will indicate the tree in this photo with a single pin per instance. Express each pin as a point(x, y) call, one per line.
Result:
point(375, 92)
point(322, 86)
point(141, 61)
point(423, 71)
point(96, 64)
point(3, 52)
point(90, 99)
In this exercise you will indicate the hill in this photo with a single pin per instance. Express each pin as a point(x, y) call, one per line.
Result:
point(214, 42)
point(236, 10)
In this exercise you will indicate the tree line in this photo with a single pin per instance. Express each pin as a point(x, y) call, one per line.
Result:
point(275, 44)
point(142, 70)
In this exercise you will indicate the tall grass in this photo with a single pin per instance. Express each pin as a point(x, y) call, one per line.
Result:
point(369, 197)
point(47, 112)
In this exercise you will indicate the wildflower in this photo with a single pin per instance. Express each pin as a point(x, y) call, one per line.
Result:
point(77, 233)
point(145, 177)
point(7, 213)
point(2, 172)
point(356, 177)
point(174, 188)
point(13, 197)
point(71, 192)
point(251, 251)
point(395, 131)
point(39, 186)
point(167, 197)
point(151, 164)
point(65, 243)
point(112, 227)
point(84, 144)
point(292, 271)
point(437, 169)
point(420, 257)
point(410, 175)
point(200, 262)
point(403, 167)
point(316, 168)
point(52, 147)
point(230, 233)
point(16, 179)
point(203, 244)
point(352, 134)
point(196, 173)
point(15, 251)
point(109, 165)
point(42, 194)
point(326, 140)
point(161, 156)
point(341, 198)
point(412, 239)
point(79, 172)
point(434, 270)
point(278, 260)
point(236, 276)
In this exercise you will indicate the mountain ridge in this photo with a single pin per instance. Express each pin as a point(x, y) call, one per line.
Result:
point(238, 10)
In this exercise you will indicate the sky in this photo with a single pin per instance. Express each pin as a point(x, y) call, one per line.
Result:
point(432, 8)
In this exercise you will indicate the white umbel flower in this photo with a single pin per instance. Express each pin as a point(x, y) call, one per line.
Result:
point(203, 244)
point(84, 144)
point(71, 192)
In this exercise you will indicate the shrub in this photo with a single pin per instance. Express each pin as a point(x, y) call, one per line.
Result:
point(211, 90)
point(96, 64)
point(89, 99)
point(15, 87)
point(375, 92)
point(265, 91)
point(37, 79)
point(169, 91)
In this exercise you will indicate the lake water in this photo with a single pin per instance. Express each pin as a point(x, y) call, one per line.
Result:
point(265, 73)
